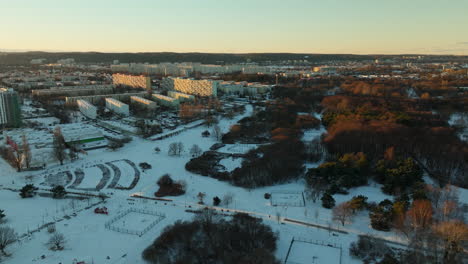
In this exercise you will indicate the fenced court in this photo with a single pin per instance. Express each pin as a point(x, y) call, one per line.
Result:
point(287, 198)
point(135, 221)
point(308, 251)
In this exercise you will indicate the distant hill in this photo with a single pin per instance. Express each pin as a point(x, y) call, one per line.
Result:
point(205, 58)
point(21, 58)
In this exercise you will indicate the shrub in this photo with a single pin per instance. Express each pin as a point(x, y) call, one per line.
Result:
point(51, 228)
point(58, 192)
point(216, 201)
point(327, 201)
point(145, 166)
point(28, 191)
point(167, 186)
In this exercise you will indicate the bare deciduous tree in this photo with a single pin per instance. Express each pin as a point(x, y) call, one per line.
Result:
point(59, 145)
point(175, 149)
point(56, 241)
point(227, 199)
point(195, 151)
point(217, 134)
point(453, 233)
point(342, 212)
point(172, 151)
point(200, 197)
point(7, 236)
point(27, 156)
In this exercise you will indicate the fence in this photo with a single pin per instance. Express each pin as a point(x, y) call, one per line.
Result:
point(314, 242)
point(299, 202)
point(109, 225)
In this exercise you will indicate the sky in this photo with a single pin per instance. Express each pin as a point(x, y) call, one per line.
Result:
point(237, 26)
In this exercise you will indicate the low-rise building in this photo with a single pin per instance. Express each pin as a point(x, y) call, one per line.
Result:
point(182, 97)
point(87, 109)
point(166, 100)
point(95, 99)
point(117, 107)
point(148, 104)
point(74, 90)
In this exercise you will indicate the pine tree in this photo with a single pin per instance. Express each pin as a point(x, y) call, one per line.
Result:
point(58, 192)
point(28, 191)
point(327, 201)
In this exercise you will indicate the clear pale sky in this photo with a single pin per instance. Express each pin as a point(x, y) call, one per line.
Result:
point(300, 26)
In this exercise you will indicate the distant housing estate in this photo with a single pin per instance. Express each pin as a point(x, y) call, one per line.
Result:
point(132, 81)
point(191, 86)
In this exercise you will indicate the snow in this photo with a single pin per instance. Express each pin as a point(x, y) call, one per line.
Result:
point(87, 237)
point(231, 163)
point(308, 253)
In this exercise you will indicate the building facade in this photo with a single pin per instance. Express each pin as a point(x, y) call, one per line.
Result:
point(191, 86)
point(148, 104)
point(141, 81)
point(182, 97)
point(74, 90)
point(10, 110)
point(117, 107)
point(166, 100)
point(87, 109)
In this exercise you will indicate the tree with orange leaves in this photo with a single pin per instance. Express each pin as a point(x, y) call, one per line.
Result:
point(420, 214)
point(454, 234)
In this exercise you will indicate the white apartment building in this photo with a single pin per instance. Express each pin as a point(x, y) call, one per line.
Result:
point(166, 100)
point(87, 109)
point(144, 102)
point(191, 86)
point(182, 97)
point(117, 107)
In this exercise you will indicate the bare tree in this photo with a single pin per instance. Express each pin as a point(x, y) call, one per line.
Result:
point(227, 199)
point(316, 186)
point(7, 236)
point(278, 216)
point(454, 234)
point(172, 151)
point(59, 145)
point(342, 212)
point(56, 241)
point(183, 185)
point(175, 149)
point(180, 148)
point(217, 134)
point(200, 197)
point(195, 151)
point(27, 156)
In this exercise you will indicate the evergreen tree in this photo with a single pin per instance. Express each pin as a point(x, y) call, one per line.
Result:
point(58, 192)
point(382, 215)
point(327, 200)
point(2, 215)
point(216, 201)
point(28, 191)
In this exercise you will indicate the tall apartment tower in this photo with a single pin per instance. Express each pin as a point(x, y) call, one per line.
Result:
point(10, 112)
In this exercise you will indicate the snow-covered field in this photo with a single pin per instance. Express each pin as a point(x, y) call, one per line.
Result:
point(303, 252)
point(85, 232)
point(287, 198)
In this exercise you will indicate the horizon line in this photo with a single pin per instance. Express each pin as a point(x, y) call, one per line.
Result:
point(233, 53)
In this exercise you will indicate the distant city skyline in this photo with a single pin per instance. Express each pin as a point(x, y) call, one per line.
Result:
point(241, 26)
